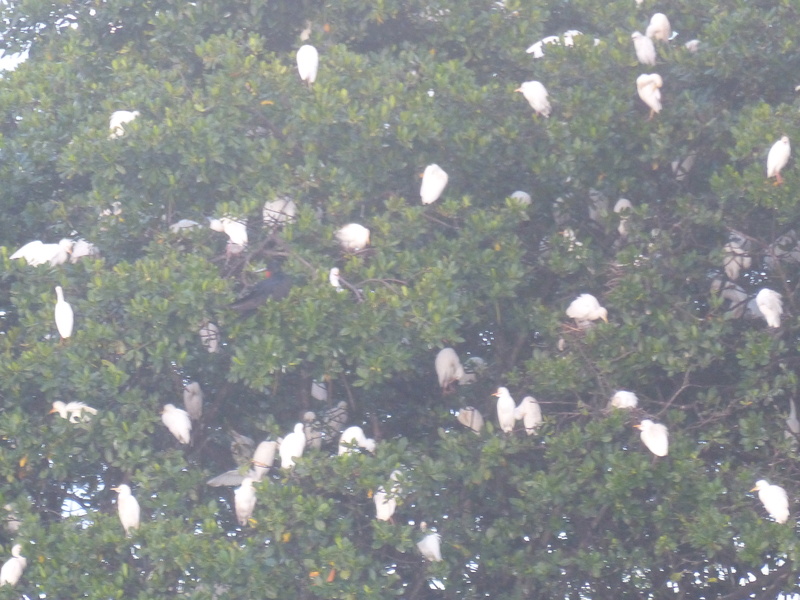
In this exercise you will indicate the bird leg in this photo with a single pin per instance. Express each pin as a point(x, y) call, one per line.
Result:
point(778, 179)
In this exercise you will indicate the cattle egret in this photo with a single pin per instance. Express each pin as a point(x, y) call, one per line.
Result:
point(292, 446)
point(74, 412)
point(655, 436)
point(776, 159)
point(244, 500)
point(645, 49)
point(354, 436)
point(521, 198)
point(179, 226)
point(334, 278)
point(65, 318)
point(117, 120)
point(279, 212)
point(623, 399)
point(430, 546)
point(193, 400)
point(128, 508)
point(530, 413)
point(774, 499)
point(536, 95)
point(209, 336)
point(37, 253)
point(736, 259)
point(623, 207)
point(585, 309)
point(386, 502)
point(659, 28)
point(649, 88)
point(12, 569)
point(770, 305)
point(353, 237)
point(178, 422)
point(235, 230)
point(692, 45)
point(537, 49)
point(505, 409)
point(313, 435)
point(81, 248)
point(448, 368)
point(434, 180)
point(307, 63)
point(470, 417)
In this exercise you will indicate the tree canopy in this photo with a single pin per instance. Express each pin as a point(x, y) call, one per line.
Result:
point(581, 508)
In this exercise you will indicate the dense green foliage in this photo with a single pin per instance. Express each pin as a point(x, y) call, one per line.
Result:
point(580, 510)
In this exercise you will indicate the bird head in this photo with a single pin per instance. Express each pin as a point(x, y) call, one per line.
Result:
point(760, 484)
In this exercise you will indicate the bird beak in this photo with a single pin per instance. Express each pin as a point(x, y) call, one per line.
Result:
point(638, 426)
point(114, 489)
point(605, 319)
point(754, 489)
point(495, 394)
point(518, 90)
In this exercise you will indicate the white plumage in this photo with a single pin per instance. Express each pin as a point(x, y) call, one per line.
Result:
point(521, 198)
point(353, 237)
point(448, 368)
point(586, 308)
point(244, 500)
point(776, 159)
point(386, 502)
point(736, 259)
point(645, 49)
point(470, 417)
point(354, 436)
point(307, 63)
point(623, 399)
point(64, 316)
point(771, 307)
point(530, 413)
point(649, 88)
point(623, 207)
point(505, 409)
point(655, 436)
point(179, 226)
point(659, 28)
point(263, 458)
point(178, 422)
point(279, 212)
point(81, 248)
point(193, 400)
point(431, 547)
point(12, 569)
point(38, 253)
point(434, 180)
point(118, 119)
point(235, 230)
point(292, 446)
point(774, 499)
point(333, 279)
point(536, 95)
point(74, 412)
point(127, 507)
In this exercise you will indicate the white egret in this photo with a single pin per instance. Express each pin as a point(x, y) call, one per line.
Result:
point(178, 422)
point(649, 88)
point(623, 207)
point(448, 368)
point(179, 226)
point(434, 180)
point(623, 399)
point(777, 158)
point(771, 307)
point(792, 424)
point(659, 28)
point(774, 499)
point(521, 198)
point(310, 430)
point(74, 412)
point(307, 63)
point(12, 569)
point(117, 120)
point(585, 309)
point(235, 230)
point(354, 436)
point(692, 45)
point(537, 49)
point(505, 409)
point(127, 507)
point(209, 336)
point(536, 95)
point(530, 413)
point(470, 417)
point(655, 436)
point(244, 500)
point(430, 546)
point(645, 49)
point(81, 248)
point(279, 212)
point(64, 316)
point(353, 237)
point(292, 446)
point(38, 253)
point(193, 400)
point(334, 278)
point(386, 502)
point(736, 259)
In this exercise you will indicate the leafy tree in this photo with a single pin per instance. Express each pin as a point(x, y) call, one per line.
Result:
point(579, 510)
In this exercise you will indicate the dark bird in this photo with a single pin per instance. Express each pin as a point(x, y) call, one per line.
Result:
point(275, 285)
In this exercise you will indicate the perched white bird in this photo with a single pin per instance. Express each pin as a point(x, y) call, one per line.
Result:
point(38, 253)
point(307, 63)
point(209, 336)
point(354, 436)
point(179, 226)
point(530, 413)
point(505, 409)
point(279, 212)
point(12, 569)
point(623, 399)
point(792, 424)
point(353, 237)
point(118, 119)
point(536, 95)
point(81, 248)
point(193, 400)
point(127, 507)
point(537, 49)
point(655, 436)
point(434, 180)
point(430, 546)
point(585, 309)
point(386, 502)
point(470, 417)
point(244, 500)
point(645, 49)
point(64, 316)
point(659, 28)
point(74, 412)
point(292, 446)
point(623, 207)
point(649, 88)
point(448, 368)
point(692, 45)
point(235, 230)
point(333, 279)
point(521, 198)
point(774, 499)
point(771, 307)
point(776, 159)
point(735, 260)
point(178, 422)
